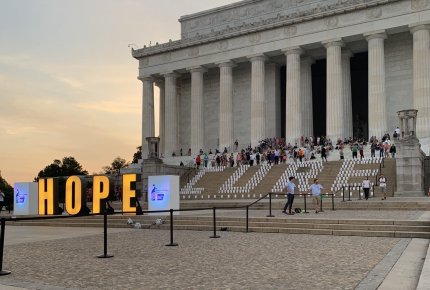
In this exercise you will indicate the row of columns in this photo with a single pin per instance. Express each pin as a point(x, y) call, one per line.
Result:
point(299, 115)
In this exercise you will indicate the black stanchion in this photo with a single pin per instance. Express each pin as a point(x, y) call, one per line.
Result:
point(105, 254)
point(332, 201)
point(359, 193)
point(304, 200)
point(373, 190)
point(172, 244)
point(214, 236)
point(321, 207)
point(3, 225)
point(270, 206)
point(343, 193)
point(349, 193)
point(247, 217)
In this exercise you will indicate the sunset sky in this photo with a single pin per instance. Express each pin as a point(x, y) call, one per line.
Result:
point(68, 82)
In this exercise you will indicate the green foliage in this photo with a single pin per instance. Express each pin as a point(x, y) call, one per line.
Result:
point(67, 167)
point(8, 191)
point(115, 166)
point(137, 155)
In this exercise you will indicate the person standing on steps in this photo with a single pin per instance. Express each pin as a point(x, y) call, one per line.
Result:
point(289, 190)
point(366, 188)
point(316, 194)
point(383, 186)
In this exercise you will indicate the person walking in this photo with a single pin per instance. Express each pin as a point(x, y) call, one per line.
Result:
point(323, 153)
point(366, 188)
point(315, 189)
point(393, 151)
point(289, 190)
point(383, 186)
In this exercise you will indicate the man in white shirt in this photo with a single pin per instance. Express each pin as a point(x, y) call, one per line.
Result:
point(383, 186)
point(289, 190)
point(366, 188)
point(316, 194)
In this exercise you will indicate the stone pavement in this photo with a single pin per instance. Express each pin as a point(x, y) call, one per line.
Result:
point(235, 261)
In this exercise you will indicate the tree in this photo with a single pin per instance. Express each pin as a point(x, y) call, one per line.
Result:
point(67, 167)
point(115, 166)
point(8, 191)
point(137, 155)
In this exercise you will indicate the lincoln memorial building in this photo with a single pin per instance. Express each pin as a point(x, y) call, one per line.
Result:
point(288, 68)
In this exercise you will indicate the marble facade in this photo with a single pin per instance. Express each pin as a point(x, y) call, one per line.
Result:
point(221, 80)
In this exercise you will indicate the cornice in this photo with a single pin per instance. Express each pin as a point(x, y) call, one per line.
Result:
point(271, 23)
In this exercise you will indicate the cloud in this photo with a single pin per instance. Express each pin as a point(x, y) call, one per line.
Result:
point(70, 82)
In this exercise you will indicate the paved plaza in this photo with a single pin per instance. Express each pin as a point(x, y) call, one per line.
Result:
point(235, 261)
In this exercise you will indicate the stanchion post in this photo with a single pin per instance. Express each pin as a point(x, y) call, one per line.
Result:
point(270, 206)
point(373, 190)
point(343, 193)
point(247, 217)
point(304, 200)
point(105, 254)
point(3, 225)
point(321, 207)
point(172, 244)
point(332, 201)
point(349, 192)
point(359, 193)
point(214, 236)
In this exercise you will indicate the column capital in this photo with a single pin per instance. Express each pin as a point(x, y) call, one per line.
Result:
point(347, 53)
point(226, 63)
point(257, 57)
point(377, 34)
point(292, 50)
point(333, 42)
point(146, 78)
point(197, 69)
point(419, 26)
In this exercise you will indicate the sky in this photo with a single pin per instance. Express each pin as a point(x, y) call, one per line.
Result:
point(68, 82)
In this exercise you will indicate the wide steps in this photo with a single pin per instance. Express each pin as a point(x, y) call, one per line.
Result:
point(340, 227)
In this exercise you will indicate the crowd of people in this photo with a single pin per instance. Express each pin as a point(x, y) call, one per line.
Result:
point(278, 151)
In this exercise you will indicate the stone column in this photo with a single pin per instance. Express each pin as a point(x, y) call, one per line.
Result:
point(377, 94)
point(171, 115)
point(293, 124)
point(197, 109)
point(421, 77)
point(335, 99)
point(226, 105)
point(147, 112)
point(346, 72)
point(161, 86)
point(306, 96)
point(258, 107)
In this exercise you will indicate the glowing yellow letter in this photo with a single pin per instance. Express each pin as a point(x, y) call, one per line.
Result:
point(99, 182)
point(128, 194)
point(73, 195)
point(48, 192)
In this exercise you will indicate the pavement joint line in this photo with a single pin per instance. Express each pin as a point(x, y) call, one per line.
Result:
point(377, 275)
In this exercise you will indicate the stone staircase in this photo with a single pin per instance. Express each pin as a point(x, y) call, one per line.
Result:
point(338, 227)
point(212, 181)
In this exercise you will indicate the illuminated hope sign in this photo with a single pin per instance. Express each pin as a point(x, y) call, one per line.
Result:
point(75, 198)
